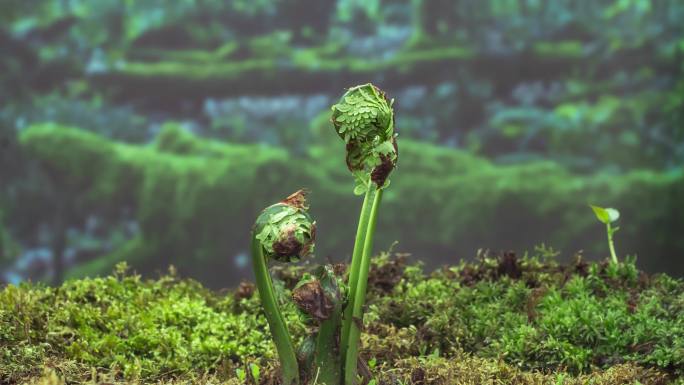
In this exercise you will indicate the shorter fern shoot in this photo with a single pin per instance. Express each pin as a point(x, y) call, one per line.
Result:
point(283, 232)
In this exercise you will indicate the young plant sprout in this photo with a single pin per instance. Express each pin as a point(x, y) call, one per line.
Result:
point(284, 232)
point(608, 216)
point(364, 119)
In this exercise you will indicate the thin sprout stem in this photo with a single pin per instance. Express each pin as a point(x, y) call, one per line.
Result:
point(327, 357)
point(360, 294)
point(281, 337)
point(611, 246)
point(354, 268)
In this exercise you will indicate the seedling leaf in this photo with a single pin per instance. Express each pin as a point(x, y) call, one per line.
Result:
point(605, 215)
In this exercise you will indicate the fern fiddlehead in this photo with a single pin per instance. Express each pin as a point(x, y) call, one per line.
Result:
point(283, 232)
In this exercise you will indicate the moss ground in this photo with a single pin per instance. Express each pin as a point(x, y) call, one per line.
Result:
point(502, 320)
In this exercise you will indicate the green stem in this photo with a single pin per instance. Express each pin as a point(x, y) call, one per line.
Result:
point(354, 267)
point(611, 246)
point(327, 358)
point(357, 301)
point(281, 337)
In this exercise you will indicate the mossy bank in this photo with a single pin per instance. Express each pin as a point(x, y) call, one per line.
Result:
point(194, 199)
point(503, 320)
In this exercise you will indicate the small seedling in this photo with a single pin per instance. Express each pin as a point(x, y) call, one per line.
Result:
point(608, 216)
point(284, 232)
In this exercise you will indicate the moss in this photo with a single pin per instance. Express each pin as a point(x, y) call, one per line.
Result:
point(292, 70)
point(195, 198)
point(273, 65)
point(176, 196)
point(466, 369)
point(186, 55)
point(465, 324)
point(173, 139)
point(217, 65)
point(462, 370)
point(306, 60)
point(562, 49)
point(137, 329)
point(547, 317)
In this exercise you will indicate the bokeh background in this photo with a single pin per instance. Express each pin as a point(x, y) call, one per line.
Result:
point(154, 131)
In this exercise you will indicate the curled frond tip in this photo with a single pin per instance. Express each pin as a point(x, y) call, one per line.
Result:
point(285, 230)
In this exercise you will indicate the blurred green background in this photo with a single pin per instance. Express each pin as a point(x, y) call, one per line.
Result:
point(154, 131)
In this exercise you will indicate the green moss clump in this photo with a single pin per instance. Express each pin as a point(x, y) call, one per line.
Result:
point(548, 317)
point(513, 321)
point(133, 328)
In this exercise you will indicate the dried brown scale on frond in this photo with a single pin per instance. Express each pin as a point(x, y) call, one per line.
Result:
point(288, 244)
point(311, 299)
point(381, 172)
point(297, 199)
point(387, 164)
point(286, 247)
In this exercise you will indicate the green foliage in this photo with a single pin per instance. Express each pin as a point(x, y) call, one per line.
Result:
point(181, 190)
point(605, 215)
point(467, 323)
